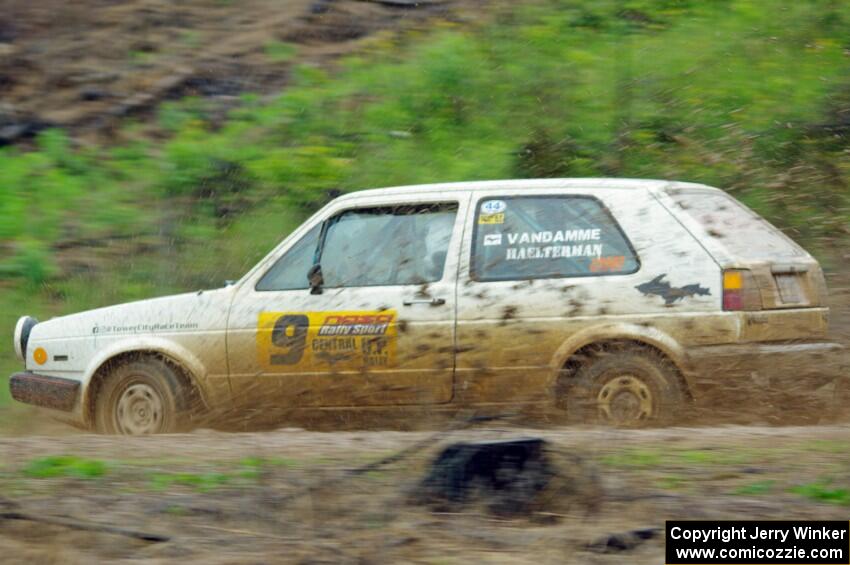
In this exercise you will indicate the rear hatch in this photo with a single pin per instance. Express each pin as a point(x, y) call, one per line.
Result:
point(777, 285)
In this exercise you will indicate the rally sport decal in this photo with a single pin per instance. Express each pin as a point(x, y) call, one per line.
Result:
point(326, 340)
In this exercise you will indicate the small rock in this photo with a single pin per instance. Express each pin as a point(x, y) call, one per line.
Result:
point(320, 7)
point(8, 33)
point(93, 94)
point(14, 132)
point(617, 542)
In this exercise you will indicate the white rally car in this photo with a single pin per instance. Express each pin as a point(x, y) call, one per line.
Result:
point(610, 298)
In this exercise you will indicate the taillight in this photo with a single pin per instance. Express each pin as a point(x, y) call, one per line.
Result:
point(740, 291)
point(733, 283)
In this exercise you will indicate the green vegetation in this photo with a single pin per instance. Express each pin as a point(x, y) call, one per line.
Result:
point(280, 51)
point(65, 466)
point(249, 470)
point(649, 459)
point(202, 482)
point(255, 464)
point(824, 491)
point(756, 488)
point(717, 457)
point(634, 458)
point(671, 482)
point(724, 92)
point(165, 475)
point(696, 456)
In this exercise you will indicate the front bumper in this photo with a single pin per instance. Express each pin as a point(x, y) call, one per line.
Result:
point(48, 392)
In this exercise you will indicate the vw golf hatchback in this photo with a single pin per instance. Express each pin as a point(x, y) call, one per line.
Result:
point(612, 300)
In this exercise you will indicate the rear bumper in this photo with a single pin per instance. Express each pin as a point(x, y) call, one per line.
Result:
point(800, 368)
point(48, 392)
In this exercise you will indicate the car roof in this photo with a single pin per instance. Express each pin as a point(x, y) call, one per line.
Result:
point(522, 185)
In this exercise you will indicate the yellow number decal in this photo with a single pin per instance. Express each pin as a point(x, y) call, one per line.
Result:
point(326, 340)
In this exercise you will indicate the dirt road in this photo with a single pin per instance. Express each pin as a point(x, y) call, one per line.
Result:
point(223, 498)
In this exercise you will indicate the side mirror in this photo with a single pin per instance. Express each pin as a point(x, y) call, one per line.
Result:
point(316, 279)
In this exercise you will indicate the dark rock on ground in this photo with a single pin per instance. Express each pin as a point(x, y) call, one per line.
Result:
point(517, 477)
point(617, 542)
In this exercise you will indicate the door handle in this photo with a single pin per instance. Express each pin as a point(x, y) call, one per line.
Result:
point(431, 301)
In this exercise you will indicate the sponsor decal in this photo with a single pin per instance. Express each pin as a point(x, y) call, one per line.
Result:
point(659, 287)
point(493, 207)
point(557, 236)
point(99, 329)
point(493, 239)
point(492, 218)
point(318, 341)
point(553, 252)
point(582, 240)
point(611, 264)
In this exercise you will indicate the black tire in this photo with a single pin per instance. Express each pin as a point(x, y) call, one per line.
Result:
point(140, 397)
point(625, 387)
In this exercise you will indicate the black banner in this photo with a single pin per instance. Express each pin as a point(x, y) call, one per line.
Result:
point(768, 542)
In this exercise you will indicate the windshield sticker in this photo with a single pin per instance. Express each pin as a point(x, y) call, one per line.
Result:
point(326, 340)
point(514, 253)
point(611, 264)
point(492, 218)
point(493, 239)
point(553, 252)
point(493, 207)
point(556, 236)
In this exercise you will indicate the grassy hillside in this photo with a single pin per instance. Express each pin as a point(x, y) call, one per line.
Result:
point(724, 92)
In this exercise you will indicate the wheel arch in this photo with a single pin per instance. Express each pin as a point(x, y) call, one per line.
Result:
point(572, 349)
point(188, 367)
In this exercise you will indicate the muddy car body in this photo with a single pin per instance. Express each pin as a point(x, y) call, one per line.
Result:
point(613, 299)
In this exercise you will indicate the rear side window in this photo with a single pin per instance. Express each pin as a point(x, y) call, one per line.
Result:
point(533, 237)
point(741, 231)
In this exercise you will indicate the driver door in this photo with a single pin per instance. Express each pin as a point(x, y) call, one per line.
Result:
point(381, 329)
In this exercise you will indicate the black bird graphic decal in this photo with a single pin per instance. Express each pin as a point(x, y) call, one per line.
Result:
point(659, 287)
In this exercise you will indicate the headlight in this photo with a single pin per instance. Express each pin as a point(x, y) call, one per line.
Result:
point(22, 335)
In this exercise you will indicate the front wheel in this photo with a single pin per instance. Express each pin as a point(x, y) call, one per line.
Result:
point(624, 387)
point(139, 398)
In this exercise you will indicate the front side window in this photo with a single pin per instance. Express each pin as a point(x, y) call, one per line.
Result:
point(548, 237)
point(290, 271)
point(397, 245)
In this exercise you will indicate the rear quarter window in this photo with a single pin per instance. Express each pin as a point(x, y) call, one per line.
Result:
point(742, 232)
point(529, 237)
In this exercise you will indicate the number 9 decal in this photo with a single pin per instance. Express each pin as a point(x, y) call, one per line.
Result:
point(289, 333)
point(289, 342)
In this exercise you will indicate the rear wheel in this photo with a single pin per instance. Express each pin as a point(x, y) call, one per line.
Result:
point(625, 387)
point(138, 398)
